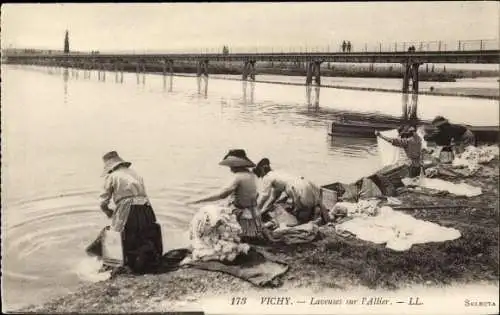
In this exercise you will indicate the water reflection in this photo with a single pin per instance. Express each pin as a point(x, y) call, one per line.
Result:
point(252, 92)
point(205, 85)
point(170, 82)
point(138, 75)
point(310, 103)
point(409, 110)
point(65, 80)
point(351, 146)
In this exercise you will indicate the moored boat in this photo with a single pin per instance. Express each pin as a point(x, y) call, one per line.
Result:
point(365, 126)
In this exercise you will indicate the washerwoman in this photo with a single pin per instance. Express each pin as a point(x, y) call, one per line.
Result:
point(411, 142)
point(133, 216)
point(278, 186)
point(242, 194)
point(446, 133)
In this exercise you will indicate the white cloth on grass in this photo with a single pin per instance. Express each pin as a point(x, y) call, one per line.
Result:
point(473, 156)
point(461, 189)
point(399, 231)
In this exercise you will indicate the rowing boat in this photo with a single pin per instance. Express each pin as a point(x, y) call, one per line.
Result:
point(365, 126)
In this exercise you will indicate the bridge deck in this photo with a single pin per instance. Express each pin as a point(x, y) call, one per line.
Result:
point(474, 56)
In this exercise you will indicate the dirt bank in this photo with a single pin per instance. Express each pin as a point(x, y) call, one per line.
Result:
point(331, 262)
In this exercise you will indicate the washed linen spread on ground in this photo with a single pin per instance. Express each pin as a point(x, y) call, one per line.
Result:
point(473, 156)
point(461, 189)
point(214, 235)
point(399, 231)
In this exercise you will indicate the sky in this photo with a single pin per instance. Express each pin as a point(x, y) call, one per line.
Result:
point(200, 26)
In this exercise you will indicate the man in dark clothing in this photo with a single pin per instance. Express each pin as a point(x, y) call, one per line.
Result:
point(343, 46)
point(446, 133)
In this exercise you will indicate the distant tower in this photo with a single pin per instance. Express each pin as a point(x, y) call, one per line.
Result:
point(66, 43)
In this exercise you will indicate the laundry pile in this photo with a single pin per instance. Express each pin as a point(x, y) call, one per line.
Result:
point(436, 184)
point(473, 156)
point(399, 231)
point(214, 235)
point(284, 227)
point(362, 208)
point(298, 234)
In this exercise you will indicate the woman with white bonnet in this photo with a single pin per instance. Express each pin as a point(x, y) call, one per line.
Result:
point(133, 215)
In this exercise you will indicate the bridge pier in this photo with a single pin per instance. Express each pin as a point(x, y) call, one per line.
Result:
point(137, 70)
point(410, 108)
point(410, 73)
point(170, 66)
point(103, 70)
point(141, 67)
point(121, 72)
point(249, 70)
point(116, 72)
point(202, 68)
point(88, 71)
point(313, 70)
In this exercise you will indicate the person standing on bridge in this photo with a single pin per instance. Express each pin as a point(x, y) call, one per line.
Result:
point(349, 46)
point(344, 45)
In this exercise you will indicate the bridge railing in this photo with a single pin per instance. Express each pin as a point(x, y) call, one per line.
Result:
point(458, 45)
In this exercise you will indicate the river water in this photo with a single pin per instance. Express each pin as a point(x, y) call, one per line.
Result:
point(175, 130)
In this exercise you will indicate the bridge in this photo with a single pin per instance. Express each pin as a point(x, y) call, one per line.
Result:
point(411, 60)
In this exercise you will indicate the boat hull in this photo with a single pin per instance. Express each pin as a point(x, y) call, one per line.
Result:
point(366, 129)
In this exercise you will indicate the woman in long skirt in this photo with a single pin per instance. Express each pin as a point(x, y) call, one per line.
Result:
point(242, 194)
point(133, 217)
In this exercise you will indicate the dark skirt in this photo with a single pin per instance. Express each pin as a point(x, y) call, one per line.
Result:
point(252, 229)
point(414, 171)
point(141, 240)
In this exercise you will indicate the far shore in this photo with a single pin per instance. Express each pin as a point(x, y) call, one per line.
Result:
point(426, 74)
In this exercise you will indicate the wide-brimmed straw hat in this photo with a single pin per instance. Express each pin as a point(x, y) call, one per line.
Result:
point(111, 161)
point(236, 158)
point(439, 120)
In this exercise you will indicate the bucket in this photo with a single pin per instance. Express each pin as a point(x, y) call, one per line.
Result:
point(112, 248)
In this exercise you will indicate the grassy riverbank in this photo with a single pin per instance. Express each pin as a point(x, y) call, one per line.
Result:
point(331, 262)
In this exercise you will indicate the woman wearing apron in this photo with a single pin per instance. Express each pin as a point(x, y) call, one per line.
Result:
point(133, 216)
point(241, 193)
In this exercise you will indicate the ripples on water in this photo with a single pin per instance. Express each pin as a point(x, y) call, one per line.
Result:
point(175, 130)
